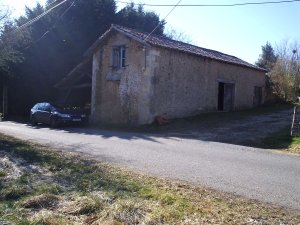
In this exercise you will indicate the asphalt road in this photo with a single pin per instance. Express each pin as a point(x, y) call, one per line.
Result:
point(249, 172)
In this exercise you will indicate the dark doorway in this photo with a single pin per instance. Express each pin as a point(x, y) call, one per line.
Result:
point(257, 98)
point(221, 97)
point(226, 97)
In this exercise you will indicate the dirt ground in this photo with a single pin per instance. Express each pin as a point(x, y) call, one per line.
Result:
point(234, 128)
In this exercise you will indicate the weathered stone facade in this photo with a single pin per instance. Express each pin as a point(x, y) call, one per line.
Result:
point(159, 81)
point(120, 96)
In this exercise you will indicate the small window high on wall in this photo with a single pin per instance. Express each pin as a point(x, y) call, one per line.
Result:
point(119, 57)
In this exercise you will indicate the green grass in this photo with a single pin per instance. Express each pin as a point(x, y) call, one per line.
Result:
point(72, 188)
point(13, 192)
point(2, 173)
point(296, 140)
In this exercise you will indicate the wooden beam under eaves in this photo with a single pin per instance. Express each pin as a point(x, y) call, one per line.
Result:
point(81, 86)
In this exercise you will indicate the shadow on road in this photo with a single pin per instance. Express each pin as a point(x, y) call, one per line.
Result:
point(103, 132)
point(264, 127)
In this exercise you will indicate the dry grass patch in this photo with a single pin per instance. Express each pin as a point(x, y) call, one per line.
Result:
point(44, 201)
point(47, 217)
point(83, 205)
point(294, 149)
point(125, 212)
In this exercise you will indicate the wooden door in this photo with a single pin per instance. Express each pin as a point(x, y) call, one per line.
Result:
point(228, 104)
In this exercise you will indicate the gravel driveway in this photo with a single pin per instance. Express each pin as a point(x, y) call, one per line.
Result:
point(234, 127)
point(250, 172)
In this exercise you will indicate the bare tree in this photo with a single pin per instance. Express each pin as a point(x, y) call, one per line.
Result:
point(177, 35)
point(285, 75)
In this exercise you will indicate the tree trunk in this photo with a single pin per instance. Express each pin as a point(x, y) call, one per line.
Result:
point(5, 101)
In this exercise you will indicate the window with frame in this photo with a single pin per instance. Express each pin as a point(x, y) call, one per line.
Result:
point(119, 57)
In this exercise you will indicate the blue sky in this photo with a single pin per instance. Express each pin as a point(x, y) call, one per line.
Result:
point(239, 31)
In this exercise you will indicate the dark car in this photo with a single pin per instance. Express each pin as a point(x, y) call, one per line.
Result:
point(47, 113)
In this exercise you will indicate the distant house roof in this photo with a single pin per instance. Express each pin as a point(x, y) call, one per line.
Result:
point(165, 42)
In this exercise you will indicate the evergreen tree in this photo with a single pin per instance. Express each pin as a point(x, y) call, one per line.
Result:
point(268, 58)
point(136, 17)
point(10, 54)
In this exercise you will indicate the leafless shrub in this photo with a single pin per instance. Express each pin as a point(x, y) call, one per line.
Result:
point(178, 35)
point(285, 75)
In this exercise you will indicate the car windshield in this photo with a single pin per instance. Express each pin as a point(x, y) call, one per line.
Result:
point(58, 107)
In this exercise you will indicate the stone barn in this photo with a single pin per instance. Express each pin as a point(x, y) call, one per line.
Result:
point(136, 77)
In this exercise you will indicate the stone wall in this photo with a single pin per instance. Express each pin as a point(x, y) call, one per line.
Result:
point(120, 96)
point(185, 84)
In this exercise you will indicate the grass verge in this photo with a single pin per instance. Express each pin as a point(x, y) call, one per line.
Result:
point(43, 186)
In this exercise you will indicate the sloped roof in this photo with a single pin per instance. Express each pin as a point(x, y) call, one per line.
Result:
point(161, 41)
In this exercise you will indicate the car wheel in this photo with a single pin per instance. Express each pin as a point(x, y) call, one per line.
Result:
point(33, 121)
point(53, 123)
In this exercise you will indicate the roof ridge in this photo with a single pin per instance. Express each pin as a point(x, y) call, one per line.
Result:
point(168, 38)
point(167, 42)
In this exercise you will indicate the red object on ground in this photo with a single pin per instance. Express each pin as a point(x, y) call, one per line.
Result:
point(161, 120)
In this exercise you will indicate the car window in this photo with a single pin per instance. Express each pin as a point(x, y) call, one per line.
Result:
point(35, 106)
point(47, 107)
point(42, 106)
point(39, 106)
